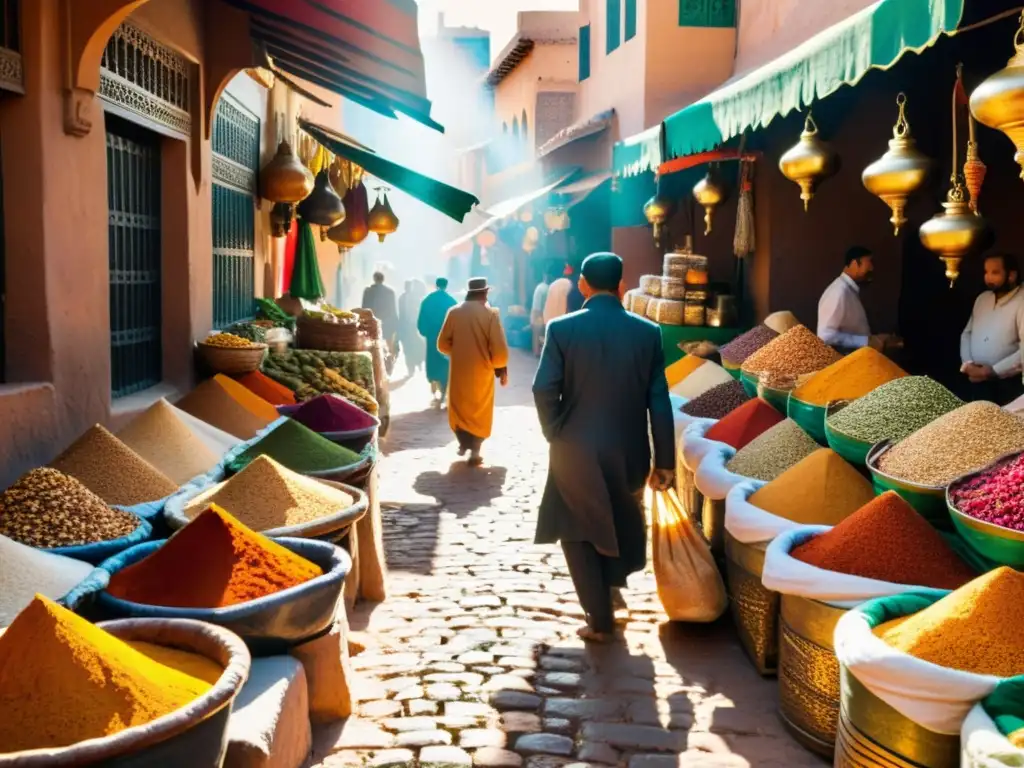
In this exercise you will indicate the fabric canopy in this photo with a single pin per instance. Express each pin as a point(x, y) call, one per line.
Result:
point(465, 242)
point(575, 192)
point(639, 153)
point(581, 130)
point(513, 205)
point(874, 38)
point(448, 200)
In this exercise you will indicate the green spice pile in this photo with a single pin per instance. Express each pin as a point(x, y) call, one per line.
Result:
point(770, 454)
point(296, 447)
point(962, 441)
point(894, 410)
point(794, 353)
point(46, 508)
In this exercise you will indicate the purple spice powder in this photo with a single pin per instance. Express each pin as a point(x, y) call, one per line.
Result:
point(995, 495)
point(331, 413)
point(743, 346)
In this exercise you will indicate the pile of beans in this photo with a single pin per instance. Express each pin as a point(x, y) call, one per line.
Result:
point(743, 346)
point(46, 508)
point(717, 401)
point(773, 452)
point(894, 410)
point(962, 441)
point(994, 496)
point(794, 353)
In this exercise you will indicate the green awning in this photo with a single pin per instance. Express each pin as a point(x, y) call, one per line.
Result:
point(449, 200)
point(639, 153)
point(874, 38)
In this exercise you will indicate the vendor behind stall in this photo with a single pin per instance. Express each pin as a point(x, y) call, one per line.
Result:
point(842, 321)
point(990, 345)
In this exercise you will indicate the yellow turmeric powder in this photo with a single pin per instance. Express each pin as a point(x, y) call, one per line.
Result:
point(63, 681)
point(682, 368)
point(851, 377)
point(192, 664)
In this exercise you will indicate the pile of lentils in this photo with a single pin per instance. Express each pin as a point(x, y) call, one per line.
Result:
point(962, 441)
point(770, 454)
point(47, 508)
point(794, 353)
point(994, 496)
point(894, 410)
point(739, 349)
point(717, 401)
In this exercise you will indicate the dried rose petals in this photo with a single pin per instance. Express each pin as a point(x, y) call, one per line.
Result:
point(994, 496)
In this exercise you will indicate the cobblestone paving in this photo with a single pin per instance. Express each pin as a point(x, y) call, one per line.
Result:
point(474, 659)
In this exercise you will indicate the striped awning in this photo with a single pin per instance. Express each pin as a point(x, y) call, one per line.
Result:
point(368, 52)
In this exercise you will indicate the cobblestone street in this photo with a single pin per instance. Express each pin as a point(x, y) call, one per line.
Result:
point(474, 659)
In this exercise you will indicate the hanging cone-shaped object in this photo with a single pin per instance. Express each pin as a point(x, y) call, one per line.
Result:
point(709, 193)
point(382, 220)
point(974, 174)
point(808, 162)
point(954, 233)
point(899, 172)
point(323, 207)
point(353, 229)
point(657, 211)
point(284, 179)
point(999, 101)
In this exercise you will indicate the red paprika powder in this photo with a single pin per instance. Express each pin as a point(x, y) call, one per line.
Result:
point(743, 424)
point(264, 386)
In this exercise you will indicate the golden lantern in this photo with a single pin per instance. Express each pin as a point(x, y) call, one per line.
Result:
point(709, 194)
point(999, 101)
point(382, 220)
point(808, 162)
point(322, 207)
point(953, 233)
point(348, 234)
point(658, 211)
point(526, 215)
point(486, 238)
point(900, 172)
point(284, 179)
point(556, 219)
point(530, 239)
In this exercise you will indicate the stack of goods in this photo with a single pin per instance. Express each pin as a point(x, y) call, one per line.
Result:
point(780, 322)
point(265, 496)
point(773, 452)
point(745, 423)
point(66, 681)
point(679, 296)
point(682, 368)
point(310, 373)
point(850, 377)
point(736, 352)
point(717, 401)
point(160, 437)
point(262, 385)
point(331, 413)
point(112, 470)
point(213, 562)
point(297, 447)
point(46, 508)
point(887, 540)
point(781, 362)
point(703, 376)
point(962, 441)
point(26, 572)
point(821, 489)
point(894, 410)
point(969, 629)
point(229, 341)
point(227, 405)
point(994, 496)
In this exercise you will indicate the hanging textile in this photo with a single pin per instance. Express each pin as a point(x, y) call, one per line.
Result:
point(291, 241)
point(306, 282)
point(743, 242)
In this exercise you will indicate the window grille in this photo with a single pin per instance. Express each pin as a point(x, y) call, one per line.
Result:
point(12, 75)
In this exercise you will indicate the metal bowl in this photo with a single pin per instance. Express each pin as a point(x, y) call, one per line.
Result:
point(850, 448)
point(929, 501)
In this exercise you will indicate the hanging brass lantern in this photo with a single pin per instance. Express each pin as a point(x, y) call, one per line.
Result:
point(999, 101)
point(956, 231)
point(900, 172)
point(486, 238)
point(808, 162)
point(284, 179)
point(658, 211)
point(709, 193)
point(322, 207)
point(353, 229)
point(382, 220)
point(556, 219)
point(530, 239)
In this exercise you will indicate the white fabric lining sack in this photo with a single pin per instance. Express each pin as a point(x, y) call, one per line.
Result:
point(983, 745)
point(705, 377)
point(712, 478)
point(789, 576)
point(695, 445)
point(937, 698)
point(749, 524)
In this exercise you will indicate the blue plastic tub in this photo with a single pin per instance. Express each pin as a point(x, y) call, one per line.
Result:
point(101, 550)
point(268, 625)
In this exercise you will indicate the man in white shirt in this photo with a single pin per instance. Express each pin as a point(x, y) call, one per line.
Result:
point(842, 321)
point(990, 344)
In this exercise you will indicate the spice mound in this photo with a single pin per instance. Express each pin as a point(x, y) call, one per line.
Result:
point(212, 562)
point(706, 376)
point(46, 508)
point(63, 681)
point(962, 441)
point(773, 452)
point(263, 386)
point(743, 346)
point(112, 470)
point(266, 495)
point(160, 437)
point(970, 629)
point(794, 353)
point(296, 447)
point(228, 341)
point(781, 321)
point(888, 540)
point(717, 401)
point(821, 489)
point(849, 378)
point(331, 413)
point(742, 425)
point(25, 571)
point(224, 403)
point(994, 496)
point(682, 368)
point(894, 410)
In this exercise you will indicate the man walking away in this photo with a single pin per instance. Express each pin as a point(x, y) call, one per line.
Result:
point(990, 344)
point(574, 301)
point(473, 338)
point(408, 335)
point(380, 299)
point(556, 303)
point(540, 297)
point(433, 311)
point(601, 381)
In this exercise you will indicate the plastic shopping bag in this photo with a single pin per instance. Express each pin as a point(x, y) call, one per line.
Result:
point(689, 585)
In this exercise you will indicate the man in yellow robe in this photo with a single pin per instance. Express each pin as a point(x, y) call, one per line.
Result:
point(474, 341)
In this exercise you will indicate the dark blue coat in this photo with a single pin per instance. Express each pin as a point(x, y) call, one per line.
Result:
point(601, 381)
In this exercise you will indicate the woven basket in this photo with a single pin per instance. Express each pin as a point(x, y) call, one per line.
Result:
point(232, 360)
point(334, 337)
point(755, 609)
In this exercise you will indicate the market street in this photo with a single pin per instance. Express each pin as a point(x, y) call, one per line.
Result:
point(474, 658)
